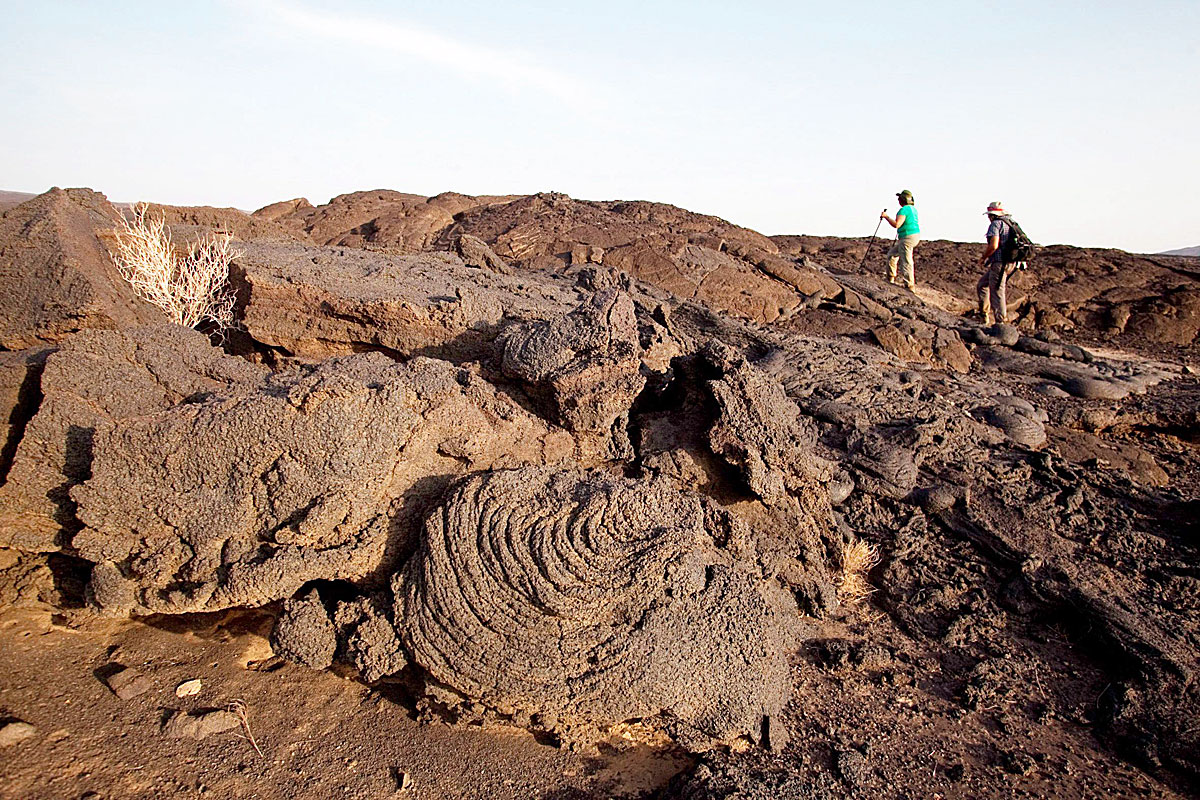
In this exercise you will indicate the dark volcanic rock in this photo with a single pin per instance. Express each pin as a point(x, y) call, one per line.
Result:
point(694, 256)
point(368, 636)
point(397, 221)
point(885, 467)
point(20, 394)
point(257, 495)
point(1019, 420)
point(304, 633)
point(57, 276)
point(759, 429)
point(244, 498)
point(587, 600)
point(95, 379)
point(586, 364)
point(1138, 301)
point(314, 302)
point(610, 511)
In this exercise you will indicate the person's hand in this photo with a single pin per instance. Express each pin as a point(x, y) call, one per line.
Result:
point(883, 215)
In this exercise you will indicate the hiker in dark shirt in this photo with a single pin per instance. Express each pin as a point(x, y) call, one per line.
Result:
point(993, 285)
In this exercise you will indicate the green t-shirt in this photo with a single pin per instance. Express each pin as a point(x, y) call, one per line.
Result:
point(910, 225)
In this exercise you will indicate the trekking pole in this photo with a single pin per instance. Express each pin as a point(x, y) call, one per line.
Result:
point(873, 235)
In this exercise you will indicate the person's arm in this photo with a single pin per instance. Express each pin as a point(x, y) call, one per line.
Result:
point(992, 246)
point(895, 222)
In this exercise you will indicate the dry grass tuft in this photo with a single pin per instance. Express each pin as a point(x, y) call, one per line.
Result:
point(238, 708)
point(858, 558)
point(191, 289)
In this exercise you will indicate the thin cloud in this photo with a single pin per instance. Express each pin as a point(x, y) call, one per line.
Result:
point(514, 69)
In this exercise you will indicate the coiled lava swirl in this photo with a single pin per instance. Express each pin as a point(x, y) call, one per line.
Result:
point(579, 600)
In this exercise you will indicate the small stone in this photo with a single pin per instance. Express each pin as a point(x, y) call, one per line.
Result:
point(404, 781)
point(200, 726)
point(870, 656)
point(1095, 388)
point(1050, 390)
point(852, 766)
point(936, 499)
point(1019, 763)
point(13, 732)
point(1005, 334)
point(840, 488)
point(128, 683)
point(189, 688)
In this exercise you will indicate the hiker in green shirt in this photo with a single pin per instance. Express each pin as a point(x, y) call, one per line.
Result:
point(908, 236)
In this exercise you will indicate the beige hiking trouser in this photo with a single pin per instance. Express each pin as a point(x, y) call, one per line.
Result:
point(993, 292)
point(902, 253)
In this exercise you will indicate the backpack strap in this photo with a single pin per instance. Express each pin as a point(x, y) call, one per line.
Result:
point(1013, 225)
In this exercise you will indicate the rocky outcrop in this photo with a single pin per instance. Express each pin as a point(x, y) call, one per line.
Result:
point(915, 341)
point(1141, 302)
point(283, 209)
point(759, 431)
point(94, 380)
point(187, 223)
point(20, 394)
point(316, 474)
point(693, 256)
point(396, 221)
point(316, 302)
point(58, 277)
point(585, 365)
point(551, 494)
point(579, 600)
point(304, 633)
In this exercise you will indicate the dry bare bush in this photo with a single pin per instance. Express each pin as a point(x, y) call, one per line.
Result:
point(191, 289)
point(858, 558)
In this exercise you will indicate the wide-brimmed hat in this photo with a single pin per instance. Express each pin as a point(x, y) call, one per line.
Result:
point(905, 194)
point(996, 207)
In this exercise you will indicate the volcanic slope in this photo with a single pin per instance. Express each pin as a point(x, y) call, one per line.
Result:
point(713, 519)
point(1107, 298)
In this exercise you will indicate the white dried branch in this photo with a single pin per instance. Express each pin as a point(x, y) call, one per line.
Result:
point(190, 290)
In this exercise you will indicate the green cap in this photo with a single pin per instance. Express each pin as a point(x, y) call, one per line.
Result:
point(905, 195)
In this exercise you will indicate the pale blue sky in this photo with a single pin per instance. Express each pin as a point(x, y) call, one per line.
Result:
point(786, 117)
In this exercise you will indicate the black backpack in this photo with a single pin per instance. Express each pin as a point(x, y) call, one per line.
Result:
point(1018, 248)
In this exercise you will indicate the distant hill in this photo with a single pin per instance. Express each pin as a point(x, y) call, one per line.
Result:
point(1184, 251)
point(10, 199)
